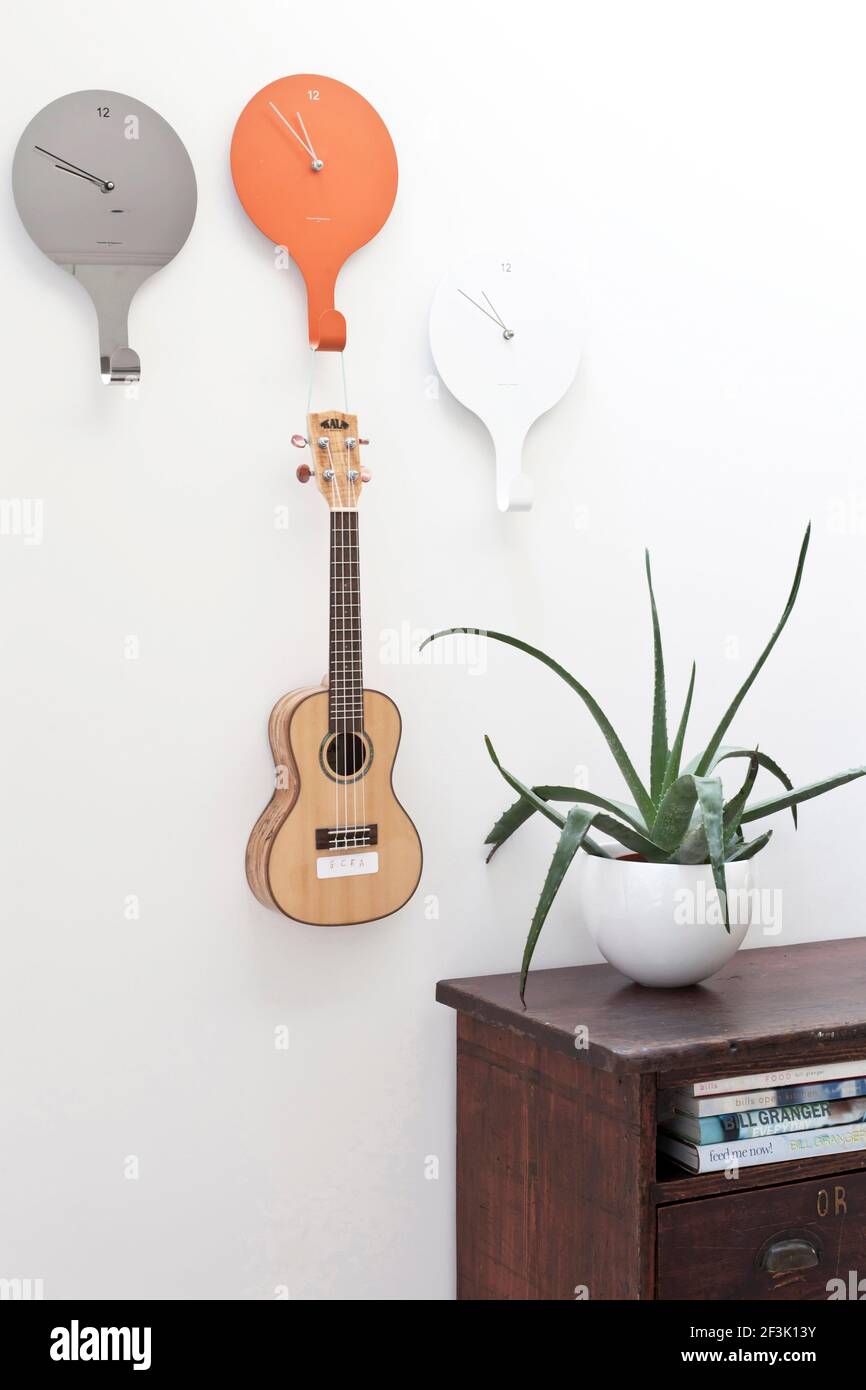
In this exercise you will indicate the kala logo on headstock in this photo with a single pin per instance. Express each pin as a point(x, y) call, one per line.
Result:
point(336, 463)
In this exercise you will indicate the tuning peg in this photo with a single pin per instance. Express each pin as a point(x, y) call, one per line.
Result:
point(363, 441)
point(366, 475)
point(303, 472)
point(299, 441)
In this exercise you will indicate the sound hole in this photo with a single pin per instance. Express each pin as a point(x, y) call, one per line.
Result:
point(346, 754)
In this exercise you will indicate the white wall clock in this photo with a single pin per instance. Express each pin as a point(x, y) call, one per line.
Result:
point(106, 189)
point(504, 342)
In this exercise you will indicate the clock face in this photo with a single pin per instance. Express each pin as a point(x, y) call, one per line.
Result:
point(505, 342)
point(101, 179)
point(316, 171)
point(504, 336)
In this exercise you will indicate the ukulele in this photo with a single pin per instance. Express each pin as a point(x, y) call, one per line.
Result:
point(334, 846)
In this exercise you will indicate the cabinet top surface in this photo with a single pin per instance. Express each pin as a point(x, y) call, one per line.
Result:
point(772, 1003)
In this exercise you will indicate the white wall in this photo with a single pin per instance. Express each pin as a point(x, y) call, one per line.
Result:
point(698, 170)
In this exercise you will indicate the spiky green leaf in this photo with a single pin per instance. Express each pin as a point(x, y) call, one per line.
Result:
point(674, 815)
point(737, 804)
point(685, 841)
point(710, 801)
point(621, 758)
point(672, 770)
point(693, 848)
point(747, 849)
point(707, 756)
point(623, 834)
point(515, 815)
point(577, 823)
point(800, 794)
point(628, 837)
point(520, 811)
point(659, 744)
point(537, 802)
point(764, 761)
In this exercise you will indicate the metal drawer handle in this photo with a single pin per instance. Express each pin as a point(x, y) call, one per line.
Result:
point(789, 1254)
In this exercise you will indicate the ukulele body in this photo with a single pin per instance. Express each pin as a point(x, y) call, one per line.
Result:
point(334, 846)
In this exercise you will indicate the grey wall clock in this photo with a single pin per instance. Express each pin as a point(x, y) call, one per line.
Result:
point(107, 190)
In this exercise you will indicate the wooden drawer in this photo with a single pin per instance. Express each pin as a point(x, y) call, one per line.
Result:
point(770, 1243)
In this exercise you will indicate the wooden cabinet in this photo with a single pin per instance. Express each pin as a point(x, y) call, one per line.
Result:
point(560, 1194)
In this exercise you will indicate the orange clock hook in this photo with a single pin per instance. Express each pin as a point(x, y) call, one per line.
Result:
point(327, 326)
point(330, 333)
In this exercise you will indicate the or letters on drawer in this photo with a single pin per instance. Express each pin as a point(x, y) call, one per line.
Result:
point(804, 1240)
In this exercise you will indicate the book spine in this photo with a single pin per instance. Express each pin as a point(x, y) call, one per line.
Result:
point(786, 1119)
point(828, 1071)
point(780, 1148)
point(824, 1090)
point(758, 1100)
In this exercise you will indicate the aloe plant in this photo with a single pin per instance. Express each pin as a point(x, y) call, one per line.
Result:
point(681, 817)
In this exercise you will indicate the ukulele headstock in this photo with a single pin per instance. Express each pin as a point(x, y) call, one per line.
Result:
point(335, 458)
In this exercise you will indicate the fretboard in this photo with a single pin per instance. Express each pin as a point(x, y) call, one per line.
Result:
point(346, 688)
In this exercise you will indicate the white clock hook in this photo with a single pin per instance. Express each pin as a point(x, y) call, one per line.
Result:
point(514, 489)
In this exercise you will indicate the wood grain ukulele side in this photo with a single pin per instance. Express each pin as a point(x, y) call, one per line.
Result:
point(279, 807)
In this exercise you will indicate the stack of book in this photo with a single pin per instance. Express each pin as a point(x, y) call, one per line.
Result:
point(768, 1117)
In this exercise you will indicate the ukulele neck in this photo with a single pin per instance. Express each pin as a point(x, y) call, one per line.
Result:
point(345, 669)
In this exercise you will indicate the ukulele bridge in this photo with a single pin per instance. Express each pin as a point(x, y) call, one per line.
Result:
point(348, 837)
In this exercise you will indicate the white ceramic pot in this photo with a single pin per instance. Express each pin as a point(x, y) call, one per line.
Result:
point(662, 924)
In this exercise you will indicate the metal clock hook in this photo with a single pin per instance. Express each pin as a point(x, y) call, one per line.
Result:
point(112, 287)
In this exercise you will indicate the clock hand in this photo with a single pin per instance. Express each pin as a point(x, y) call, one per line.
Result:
point(302, 140)
point(68, 168)
point(507, 333)
point(317, 163)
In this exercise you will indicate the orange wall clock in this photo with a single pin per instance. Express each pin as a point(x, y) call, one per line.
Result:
point(316, 171)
